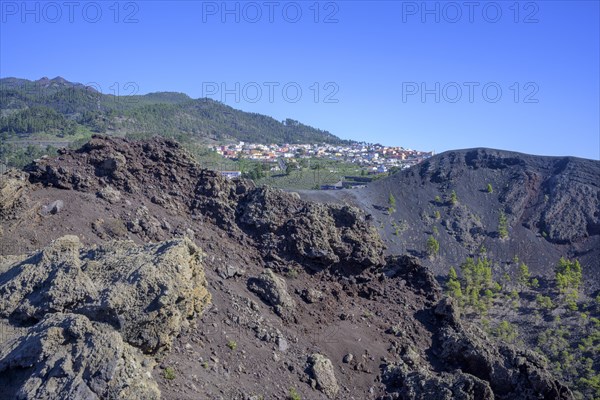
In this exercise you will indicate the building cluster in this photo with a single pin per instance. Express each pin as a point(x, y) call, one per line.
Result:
point(375, 158)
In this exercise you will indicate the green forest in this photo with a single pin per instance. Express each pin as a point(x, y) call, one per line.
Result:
point(61, 111)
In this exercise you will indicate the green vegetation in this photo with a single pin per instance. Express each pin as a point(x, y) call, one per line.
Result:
point(544, 302)
point(477, 275)
point(568, 276)
point(506, 331)
point(18, 157)
point(489, 188)
point(502, 225)
point(321, 172)
point(437, 214)
point(37, 119)
point(453, 198)
point(453, 284)
point(67, 112)
point(524, 275)
point(391, 203)
point(433, 246)
point(570, 341)
point(437, 200)
point(293, 395)
point(232, 345)
point(169, 373)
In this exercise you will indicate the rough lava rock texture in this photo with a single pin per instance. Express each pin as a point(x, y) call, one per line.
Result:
point(67, 356)
point(272, 289)
point(473, 369)
point(13, 193)
point(322, 372)
point(93, 313)
point(318, 234)
point(511, 373)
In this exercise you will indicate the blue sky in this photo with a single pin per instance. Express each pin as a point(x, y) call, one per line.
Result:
point(436, 76)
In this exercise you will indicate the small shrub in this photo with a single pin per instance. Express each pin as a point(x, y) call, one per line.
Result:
point(453, 284)
point(433, 246)
point(506, 331)
point(544, 302)
point(453, 198)
point(232, 345)
point(392, 203)
point(489, 188)
point(169, 373)
point(502, 225)
point(293, 395)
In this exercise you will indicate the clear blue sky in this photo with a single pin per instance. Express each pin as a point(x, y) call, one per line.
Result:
point(374, 58)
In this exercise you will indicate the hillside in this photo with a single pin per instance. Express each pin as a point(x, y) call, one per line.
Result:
point(55, 110)
point(175, 283)
point(552, 206)
point(515, 215)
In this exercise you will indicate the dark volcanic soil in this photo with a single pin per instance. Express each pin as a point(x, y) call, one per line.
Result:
point(304, 298)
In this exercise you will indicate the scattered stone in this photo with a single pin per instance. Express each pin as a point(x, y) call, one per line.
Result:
point(53, 208)
point(110, 194)
point(282, 344)
point(312, 295)
point(321, 370)
point(272, 289)
point(348, 358)
point(228, 271)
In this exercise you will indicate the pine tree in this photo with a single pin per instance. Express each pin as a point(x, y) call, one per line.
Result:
point(433, 246)
point(502, 225)
point(453, 284)
point(392, 203)
point(453, 198)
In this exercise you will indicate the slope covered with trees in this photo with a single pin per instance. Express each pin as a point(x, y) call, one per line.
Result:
point(58, 110)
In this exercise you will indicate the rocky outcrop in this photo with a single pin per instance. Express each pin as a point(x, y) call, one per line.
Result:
point(146, 292)
point(464, 226)
point(94, 312)
point(13, 191)
point(67, 356)
point(162, 172)
point(472, 369)
point(511, 373)
point(320, 235)
point(404, 383)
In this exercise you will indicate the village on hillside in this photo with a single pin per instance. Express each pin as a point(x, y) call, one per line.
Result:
point(372, 158)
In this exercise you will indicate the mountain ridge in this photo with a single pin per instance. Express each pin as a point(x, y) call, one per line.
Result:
point(82, 109)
